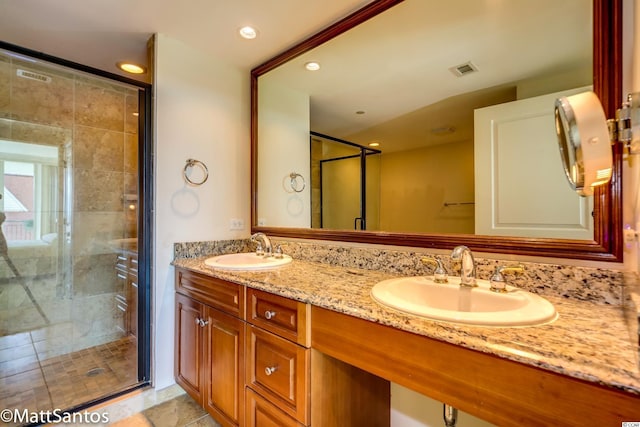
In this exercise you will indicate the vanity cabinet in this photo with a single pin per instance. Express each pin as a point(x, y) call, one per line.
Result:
point(257, 368)
point(501, 391)
point(291, 384)
point(278, 360)
point(209, 344)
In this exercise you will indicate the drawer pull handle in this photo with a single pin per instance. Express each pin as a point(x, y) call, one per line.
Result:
point(269, 314)
point(201, 322)
point(270, 370)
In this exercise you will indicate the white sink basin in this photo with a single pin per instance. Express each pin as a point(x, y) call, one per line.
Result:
point(452, 303)
point(246, 261)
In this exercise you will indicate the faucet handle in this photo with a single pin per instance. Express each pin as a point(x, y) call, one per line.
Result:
point(259, 249)
point(497, 280)
point(278, 252)
point(440, 273)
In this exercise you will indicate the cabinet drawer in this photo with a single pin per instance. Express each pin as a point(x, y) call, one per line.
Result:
point(282, 316)
point(261, 413)
point(225, 296)
point(279, 370)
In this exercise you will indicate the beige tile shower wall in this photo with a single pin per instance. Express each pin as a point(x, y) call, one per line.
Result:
point(97, 120)
point(5, 78)
point(104, 171)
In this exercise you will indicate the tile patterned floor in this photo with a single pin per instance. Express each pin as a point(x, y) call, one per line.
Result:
point(29, 382)
point(181, 411)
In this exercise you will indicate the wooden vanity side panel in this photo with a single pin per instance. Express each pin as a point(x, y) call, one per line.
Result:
point(500, 391)
point(344, 395)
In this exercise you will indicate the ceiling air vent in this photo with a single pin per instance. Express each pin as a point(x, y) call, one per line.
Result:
point(464, 69)
point(33, 76)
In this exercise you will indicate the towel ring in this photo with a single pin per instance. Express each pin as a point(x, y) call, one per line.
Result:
point(297, 182)
point(192, 163)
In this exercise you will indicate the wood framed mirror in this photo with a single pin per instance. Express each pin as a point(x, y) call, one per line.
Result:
point(606, 244)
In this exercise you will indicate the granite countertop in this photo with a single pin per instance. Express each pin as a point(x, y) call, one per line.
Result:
point(588, 341)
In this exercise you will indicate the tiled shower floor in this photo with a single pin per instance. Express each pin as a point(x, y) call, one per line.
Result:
point(29, 382)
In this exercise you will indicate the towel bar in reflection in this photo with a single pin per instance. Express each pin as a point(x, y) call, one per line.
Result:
point(447, 204)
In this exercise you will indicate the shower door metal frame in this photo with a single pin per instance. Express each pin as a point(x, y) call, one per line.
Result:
point(364, 152)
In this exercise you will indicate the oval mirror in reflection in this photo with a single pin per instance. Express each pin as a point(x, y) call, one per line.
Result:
point(583, 137)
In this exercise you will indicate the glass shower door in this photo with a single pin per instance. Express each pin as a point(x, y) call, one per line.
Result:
point(69, 178)
point(345, 182)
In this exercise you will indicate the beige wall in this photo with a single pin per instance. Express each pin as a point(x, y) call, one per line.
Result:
point(415, 185)
point(201, 112)
point(284, 122)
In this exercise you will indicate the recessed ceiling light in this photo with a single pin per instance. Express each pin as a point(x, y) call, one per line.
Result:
point(132, 68)
point(374, 144)
point(248, 33)
point(359, 112)
point(312, 66)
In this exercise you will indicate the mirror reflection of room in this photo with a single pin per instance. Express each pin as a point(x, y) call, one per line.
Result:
point(462, 117)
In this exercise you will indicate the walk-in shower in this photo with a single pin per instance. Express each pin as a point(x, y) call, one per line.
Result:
point(345, 184)
point(70, 203)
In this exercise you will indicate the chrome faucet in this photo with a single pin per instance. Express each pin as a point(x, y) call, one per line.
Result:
point(468, 265)
point(262, 238)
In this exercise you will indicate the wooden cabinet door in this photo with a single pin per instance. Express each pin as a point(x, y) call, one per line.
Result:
point(188, 363)
point(224, 397)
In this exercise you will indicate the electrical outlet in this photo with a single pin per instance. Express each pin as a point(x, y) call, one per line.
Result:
point(236, 224)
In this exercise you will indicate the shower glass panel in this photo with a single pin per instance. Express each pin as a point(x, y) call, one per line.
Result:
point(345, 180)
point(69, 219)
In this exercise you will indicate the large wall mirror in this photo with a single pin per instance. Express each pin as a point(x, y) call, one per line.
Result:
point(430, 124)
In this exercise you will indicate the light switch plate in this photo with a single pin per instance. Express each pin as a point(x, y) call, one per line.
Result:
point(236, 224)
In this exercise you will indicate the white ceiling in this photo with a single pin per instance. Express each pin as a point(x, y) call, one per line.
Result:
point(99, 33)
point(508, 40)
point(396, 67)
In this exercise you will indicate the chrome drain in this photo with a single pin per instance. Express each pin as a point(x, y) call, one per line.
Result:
point(94, 372)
